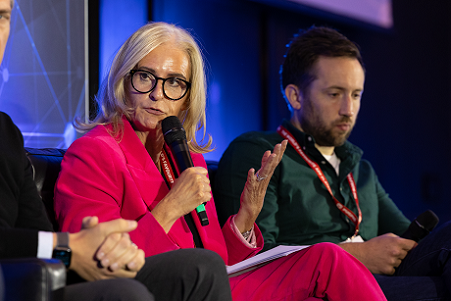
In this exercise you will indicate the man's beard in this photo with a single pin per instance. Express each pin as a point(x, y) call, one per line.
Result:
point(323, 134)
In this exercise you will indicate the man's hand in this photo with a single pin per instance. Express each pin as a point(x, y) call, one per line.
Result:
point(115, 253)
point(382, 254)
point(102, 251)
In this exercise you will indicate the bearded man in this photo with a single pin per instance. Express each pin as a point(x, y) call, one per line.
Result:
point(322, 190)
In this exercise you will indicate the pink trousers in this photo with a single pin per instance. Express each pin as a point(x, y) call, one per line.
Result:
point(321, 272)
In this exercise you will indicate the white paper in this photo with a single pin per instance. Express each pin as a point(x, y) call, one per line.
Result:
point(263, 258)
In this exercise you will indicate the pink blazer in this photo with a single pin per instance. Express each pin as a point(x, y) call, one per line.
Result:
point(111, 178)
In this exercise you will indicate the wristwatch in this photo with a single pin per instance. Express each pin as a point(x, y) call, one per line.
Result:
point(62, 250)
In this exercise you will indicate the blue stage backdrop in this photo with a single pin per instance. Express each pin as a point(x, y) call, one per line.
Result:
point(118, 20)
point(43, 82)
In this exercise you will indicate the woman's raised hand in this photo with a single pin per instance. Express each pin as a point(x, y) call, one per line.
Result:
point(190, 190)
point(254, 191)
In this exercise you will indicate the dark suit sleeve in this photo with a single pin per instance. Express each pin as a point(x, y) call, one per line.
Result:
point(22, 213)
point(18, 243)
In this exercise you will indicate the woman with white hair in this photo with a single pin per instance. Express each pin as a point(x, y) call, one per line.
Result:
point(119, 169)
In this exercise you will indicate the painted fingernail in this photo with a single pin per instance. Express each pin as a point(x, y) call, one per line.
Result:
point(100, 255)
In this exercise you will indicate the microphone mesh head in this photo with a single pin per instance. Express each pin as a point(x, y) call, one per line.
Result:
point(428, 220)
point(172, 129)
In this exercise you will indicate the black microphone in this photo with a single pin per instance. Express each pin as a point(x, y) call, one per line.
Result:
point(175, 138)
point(421, 226)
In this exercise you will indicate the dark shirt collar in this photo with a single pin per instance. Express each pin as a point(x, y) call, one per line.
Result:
point(346, 152)
point(304, 140)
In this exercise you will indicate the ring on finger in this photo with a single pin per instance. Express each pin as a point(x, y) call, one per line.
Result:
point(259, 177)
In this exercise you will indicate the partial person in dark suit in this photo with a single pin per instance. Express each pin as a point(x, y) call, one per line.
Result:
point(101, 251)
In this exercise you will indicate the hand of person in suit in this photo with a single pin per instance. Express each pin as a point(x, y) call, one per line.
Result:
point(117, 250)
point(253, 195)
point(104, 250)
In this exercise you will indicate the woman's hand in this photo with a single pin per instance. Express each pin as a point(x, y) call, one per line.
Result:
point(253, 195)
point(190, 190)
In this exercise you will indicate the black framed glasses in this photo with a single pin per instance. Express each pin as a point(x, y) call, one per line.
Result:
point(174, 88)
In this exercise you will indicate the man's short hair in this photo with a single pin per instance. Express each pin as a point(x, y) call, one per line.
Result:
point(304, 50)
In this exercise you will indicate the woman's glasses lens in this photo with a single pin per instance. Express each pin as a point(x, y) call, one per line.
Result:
point(173, 88)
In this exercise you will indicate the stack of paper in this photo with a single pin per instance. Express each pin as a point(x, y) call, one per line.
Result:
point(262, 259)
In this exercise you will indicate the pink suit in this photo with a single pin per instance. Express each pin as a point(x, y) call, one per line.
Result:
point(112, 177)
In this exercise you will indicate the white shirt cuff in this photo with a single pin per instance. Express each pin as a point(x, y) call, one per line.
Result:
point(45, 245)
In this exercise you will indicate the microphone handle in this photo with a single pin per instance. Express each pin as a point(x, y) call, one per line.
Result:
point(181, 154)
point(183, 159)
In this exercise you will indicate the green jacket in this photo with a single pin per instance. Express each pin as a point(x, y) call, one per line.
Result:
point(298, 209)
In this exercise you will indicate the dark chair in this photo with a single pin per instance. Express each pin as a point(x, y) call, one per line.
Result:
point(33, 279)
point(46, 165)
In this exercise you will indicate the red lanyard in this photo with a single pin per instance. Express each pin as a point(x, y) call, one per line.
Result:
point(313, 165)
point(170, 178)
point(166, 167)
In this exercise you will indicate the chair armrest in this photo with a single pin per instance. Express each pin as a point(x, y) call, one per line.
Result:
point(33, 279)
